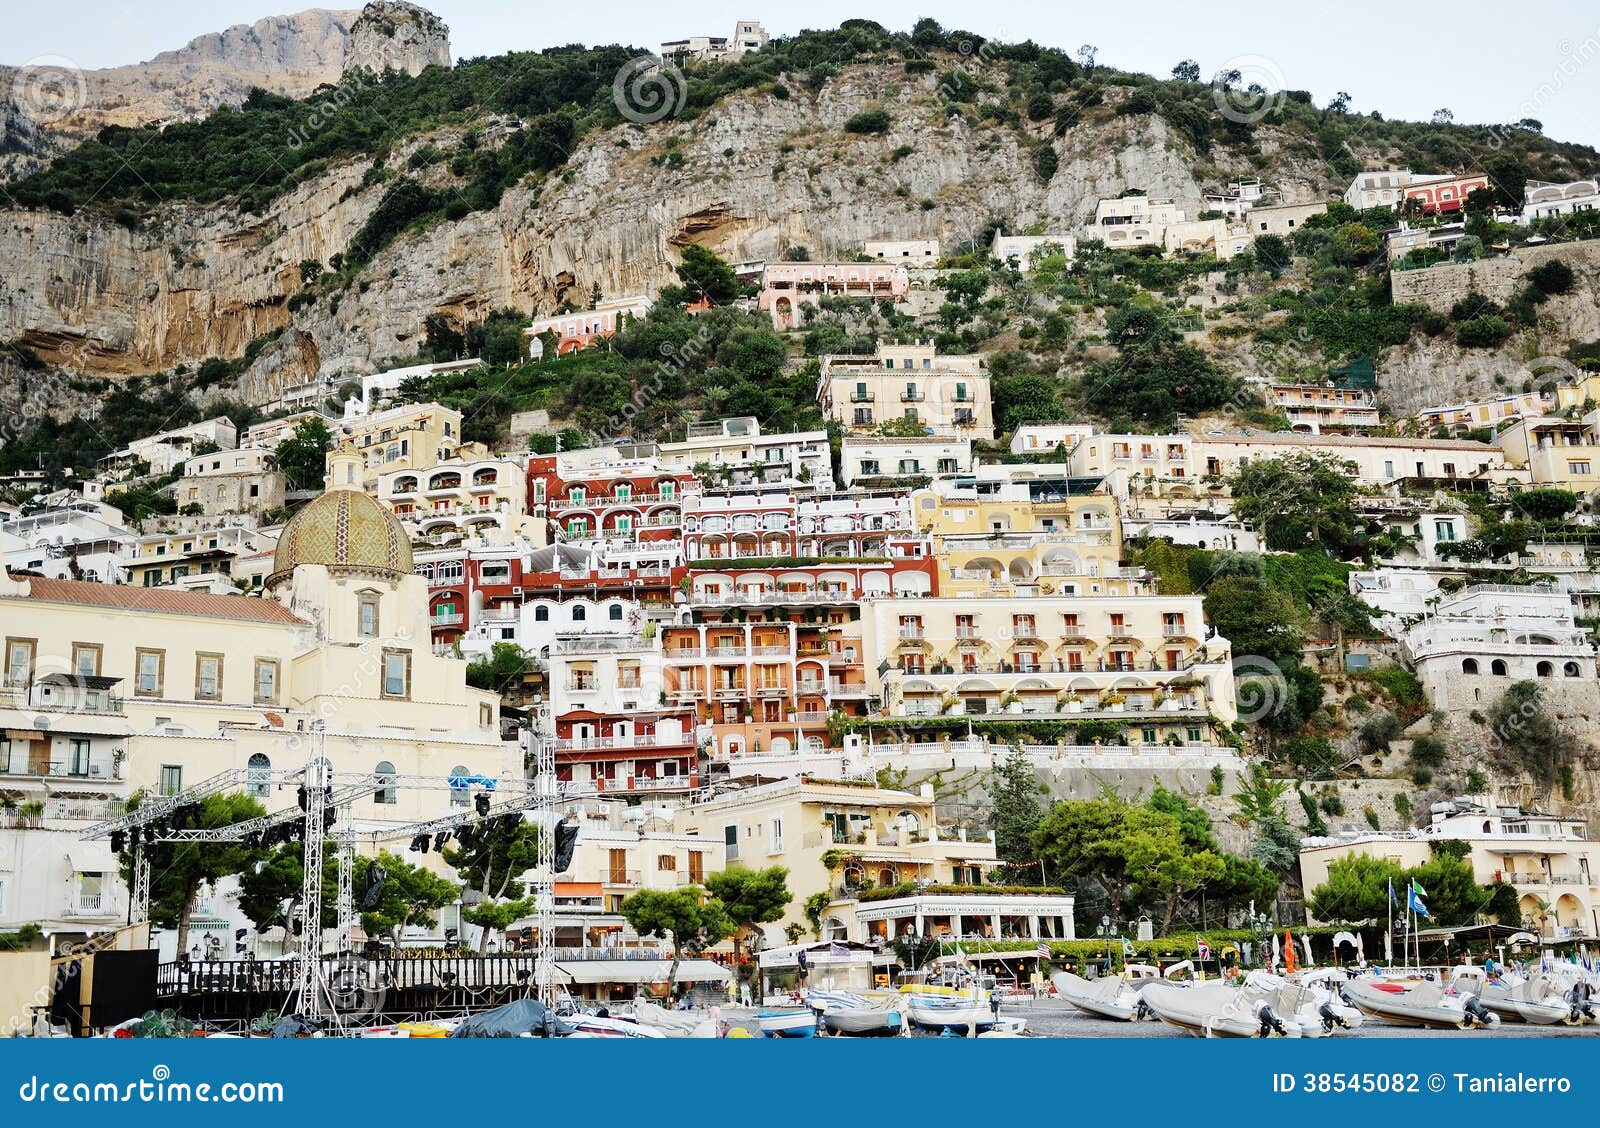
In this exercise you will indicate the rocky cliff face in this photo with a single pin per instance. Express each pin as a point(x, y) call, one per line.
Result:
point(397, 36)
point(49, 106)
point(749, 178)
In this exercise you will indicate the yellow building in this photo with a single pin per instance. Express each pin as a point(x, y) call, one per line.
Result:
point(1556, 451)
point(409, 437)
point(1042, 534)
point(1586, 392)
point(876, 853)
point(184, 558)
point(205, 683)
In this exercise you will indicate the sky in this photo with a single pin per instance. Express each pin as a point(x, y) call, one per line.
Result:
point(1485, 62)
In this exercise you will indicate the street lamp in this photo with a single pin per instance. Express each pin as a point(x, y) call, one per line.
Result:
point(1106, 931)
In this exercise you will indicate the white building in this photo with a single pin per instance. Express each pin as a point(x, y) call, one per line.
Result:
point(912, 252)
point(1378, 188)
point(165, 452)
point(1134, 221)
point(1475, 643)
point(946, 394)
point(1281, 219)
point(748, 35)
point(1023, 248)
point(1542, 199)
point(56, 543)
point(1039, 438)
point(868, 458)
point(737, 449)
point(380, 387)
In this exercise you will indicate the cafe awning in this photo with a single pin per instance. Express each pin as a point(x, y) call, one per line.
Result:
point(642, 971)
point(91, 857)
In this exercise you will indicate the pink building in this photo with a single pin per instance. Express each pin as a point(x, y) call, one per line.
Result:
point(786, 286)
point(581, 329)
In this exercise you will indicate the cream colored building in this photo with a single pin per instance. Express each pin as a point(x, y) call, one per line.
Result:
point(460, 498)
point(409, 437)
point(947, 395)
point(205, 683)
point(1147, 661)
point(864, 459)
point(1550, 860)
point(1556, 451)
point(912, 252)
point(1585, 393)
point(846, 838)
point(1488, 412)
point(1379, 461)
point(1280, 219)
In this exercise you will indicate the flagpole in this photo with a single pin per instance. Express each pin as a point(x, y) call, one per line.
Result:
point(1390, 933)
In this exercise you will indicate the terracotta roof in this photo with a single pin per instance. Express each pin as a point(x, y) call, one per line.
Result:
point(164, 600)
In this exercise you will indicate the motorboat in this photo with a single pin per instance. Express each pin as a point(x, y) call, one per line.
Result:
point(1419, 1002)
point(1539, 999)
point(1220, 1009)
point(1313, 1000)
point(606, 1026)
point(1007, 1028)
point(774, 1023)
point(857, 1016)
point(1108, 997)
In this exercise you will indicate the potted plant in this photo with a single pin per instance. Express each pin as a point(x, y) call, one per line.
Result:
point(1011, 703)
point(1113, 701)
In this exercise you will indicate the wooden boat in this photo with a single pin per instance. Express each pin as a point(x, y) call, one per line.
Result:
point(787, 1023)
point(950, 1012)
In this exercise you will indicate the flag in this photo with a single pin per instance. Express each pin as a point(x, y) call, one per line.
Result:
point(1393, 900)
point(838, 950)
point(1202, 949)
point(961, 956)
point(1416, 901)
point(1416, 887)
point(1043, 950)
point(1127, 949)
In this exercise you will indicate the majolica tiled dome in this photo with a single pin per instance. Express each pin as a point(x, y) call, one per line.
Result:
point(343, 528)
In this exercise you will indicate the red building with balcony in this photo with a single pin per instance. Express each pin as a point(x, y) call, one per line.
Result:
point(648, 752)
point(621, 503)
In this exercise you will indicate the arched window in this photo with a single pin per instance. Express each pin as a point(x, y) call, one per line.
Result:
point(386, 792)
point(1545, 669)
point(616, 612)
point(541, 614)
point(459, 796)
point(258, 776)
point(1571, 670)
point(579, 614)
point(1498, 668)
point(1469, 665)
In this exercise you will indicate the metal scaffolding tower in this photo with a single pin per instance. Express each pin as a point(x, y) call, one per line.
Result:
point(310, 989)
point(546, 791)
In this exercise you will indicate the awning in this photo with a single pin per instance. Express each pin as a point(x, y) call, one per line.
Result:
point(642, 971)
point(91, 857)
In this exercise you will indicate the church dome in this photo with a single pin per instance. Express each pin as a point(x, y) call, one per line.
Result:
point(342, 529)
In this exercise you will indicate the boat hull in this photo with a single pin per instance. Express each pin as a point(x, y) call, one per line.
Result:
point(787, 1024)
point(870, 1023)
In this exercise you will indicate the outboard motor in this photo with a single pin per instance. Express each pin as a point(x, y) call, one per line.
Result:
point(1582, 999)
point(1142, 1011)
point(1270, 1023)
point(1476, 1011)
point(1330, 1017)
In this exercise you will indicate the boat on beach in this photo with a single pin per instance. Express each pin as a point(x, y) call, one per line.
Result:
point(1419, 1002)
point(1220, 1010)
point(787, 1023)
point(1108, 997)
point(950, 1012)
point(856, 1015)
point(1538, 999)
